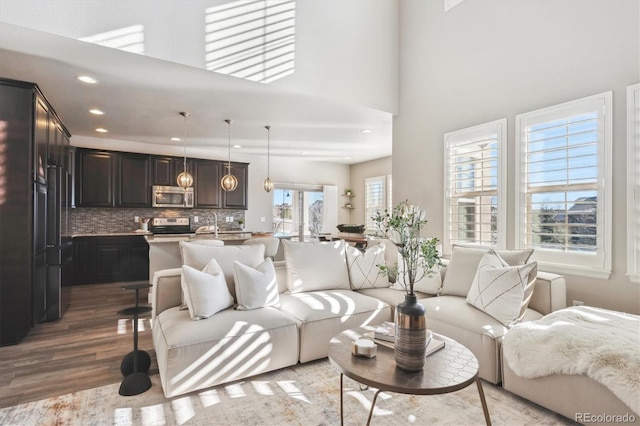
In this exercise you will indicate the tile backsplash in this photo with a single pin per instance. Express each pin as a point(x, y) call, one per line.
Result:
point(92, 220)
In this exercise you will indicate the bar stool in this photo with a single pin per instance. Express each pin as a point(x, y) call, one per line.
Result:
point(135, 365)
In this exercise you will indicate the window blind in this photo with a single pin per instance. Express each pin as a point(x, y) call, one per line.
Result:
point(474, 185)
point(562, 156)
point(375, 199)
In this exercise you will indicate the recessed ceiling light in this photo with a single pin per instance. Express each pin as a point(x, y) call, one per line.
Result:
point(347, 158)
point(304, 153)
point(101, 130)
point(95, 111)
point(237, 146)
point(366, 131)
point(87, 79)
point(176, 139)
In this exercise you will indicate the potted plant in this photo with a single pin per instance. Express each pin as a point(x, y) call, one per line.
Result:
point(419, 258)
point(347, 192)
point(241, 223)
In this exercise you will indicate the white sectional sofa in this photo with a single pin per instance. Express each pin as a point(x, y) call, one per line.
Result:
point(318, 298)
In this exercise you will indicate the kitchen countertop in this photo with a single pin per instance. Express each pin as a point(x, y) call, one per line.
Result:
point(221, 235)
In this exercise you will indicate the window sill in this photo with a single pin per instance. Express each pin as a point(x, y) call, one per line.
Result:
point(634, 277)
point(579, 271)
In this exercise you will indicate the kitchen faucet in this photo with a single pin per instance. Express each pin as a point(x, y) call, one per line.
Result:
point(215, 218)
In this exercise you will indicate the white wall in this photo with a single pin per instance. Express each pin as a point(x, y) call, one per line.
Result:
point(343, 47)
point(486, 60)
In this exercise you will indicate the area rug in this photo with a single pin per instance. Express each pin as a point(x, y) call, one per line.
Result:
point(306, 394)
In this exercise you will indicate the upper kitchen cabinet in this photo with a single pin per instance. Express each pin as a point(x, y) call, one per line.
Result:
point(133, 187)
point(165, 170)
point(41, 136)
point(207, 184)
point(95, 172)
point(236, 199)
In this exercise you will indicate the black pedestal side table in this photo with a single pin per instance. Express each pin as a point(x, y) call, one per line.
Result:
point(135, 365)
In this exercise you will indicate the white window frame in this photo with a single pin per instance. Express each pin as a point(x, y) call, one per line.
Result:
point(385, 181)
point(597, 265)
point(469, 135)
point(633, 183)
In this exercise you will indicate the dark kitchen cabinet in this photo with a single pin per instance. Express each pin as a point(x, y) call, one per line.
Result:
point(40, 138)
point(165, 170)
point(133, 185)
point(236, 199)
point(207, 184)
point(95, 178)
point(103, 259)
point(30, 127)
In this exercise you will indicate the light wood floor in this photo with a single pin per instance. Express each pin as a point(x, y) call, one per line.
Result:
point(81, 351)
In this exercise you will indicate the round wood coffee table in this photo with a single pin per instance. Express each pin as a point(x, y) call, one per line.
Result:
point(451, 368)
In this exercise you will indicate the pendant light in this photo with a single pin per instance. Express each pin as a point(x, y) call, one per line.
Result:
point(185, 180)
point(229, 182)
point(268, 183)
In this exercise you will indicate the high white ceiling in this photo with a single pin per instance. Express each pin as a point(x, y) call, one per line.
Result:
point(142, 96)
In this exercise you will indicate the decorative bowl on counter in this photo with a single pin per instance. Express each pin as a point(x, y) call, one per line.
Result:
point(352, 229)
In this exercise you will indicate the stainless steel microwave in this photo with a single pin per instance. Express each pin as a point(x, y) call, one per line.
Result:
point(171, 196)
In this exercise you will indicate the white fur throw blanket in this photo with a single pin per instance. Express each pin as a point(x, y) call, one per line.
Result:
point(602, 344)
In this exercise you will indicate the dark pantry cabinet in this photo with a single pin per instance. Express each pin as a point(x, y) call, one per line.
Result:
point(34, 202)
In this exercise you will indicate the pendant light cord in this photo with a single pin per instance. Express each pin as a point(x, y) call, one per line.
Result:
point(268, 150)
point(229, 161)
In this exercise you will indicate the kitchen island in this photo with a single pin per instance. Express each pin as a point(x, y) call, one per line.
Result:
point(164, 249)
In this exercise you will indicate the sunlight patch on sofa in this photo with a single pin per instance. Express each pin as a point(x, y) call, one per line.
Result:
point(231, 358)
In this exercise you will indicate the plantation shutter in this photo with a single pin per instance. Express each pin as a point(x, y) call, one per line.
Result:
point(474, 187)
point(375, 199)
point(564, 157)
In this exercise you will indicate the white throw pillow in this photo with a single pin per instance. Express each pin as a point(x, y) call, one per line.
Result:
point(464, 263)
point(500, 290)
point(363, 267)
point(430, 284)
point(197, 256)
point(206, 293)
point(316, 266)
point(256, 287)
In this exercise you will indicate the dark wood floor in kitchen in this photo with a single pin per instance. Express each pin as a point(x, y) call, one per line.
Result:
point(81, 351)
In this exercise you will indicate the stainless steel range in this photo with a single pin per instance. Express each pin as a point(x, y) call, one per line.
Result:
point(171, 225)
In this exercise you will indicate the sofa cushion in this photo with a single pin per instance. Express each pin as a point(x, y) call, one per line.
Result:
point(464, 263)
point(363, 267)
point(429, 284)
point(453, 317)
point(316, 266)
point(500, 290)
point(197, 256)
point(229, 346)
point(205, 293)
point(323, 314)
point(390, 295)
point(256, 287)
